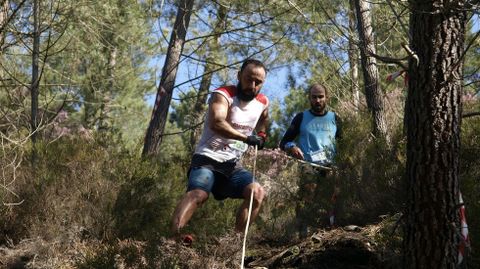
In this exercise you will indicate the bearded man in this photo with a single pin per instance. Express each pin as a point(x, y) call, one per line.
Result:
point(237, 118)
point(312, 137)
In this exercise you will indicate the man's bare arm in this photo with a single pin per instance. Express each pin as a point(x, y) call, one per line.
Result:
point(262, 123)
point(217, 113)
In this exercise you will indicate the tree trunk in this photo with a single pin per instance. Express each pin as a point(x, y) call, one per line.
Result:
point(373, 92)
point(352, 55)
point(3, 21)
point(433, 113)
point(104, 121)
point(153, 137)
point(199, 107)
point(34, 91)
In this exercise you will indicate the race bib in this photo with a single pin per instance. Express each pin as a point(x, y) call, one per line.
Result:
point(238, 146)
point(319, 156)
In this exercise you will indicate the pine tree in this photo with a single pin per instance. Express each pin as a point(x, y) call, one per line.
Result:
point(433, 114)
point(156, 128)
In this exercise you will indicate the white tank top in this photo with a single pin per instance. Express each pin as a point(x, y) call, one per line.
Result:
point(242, 116)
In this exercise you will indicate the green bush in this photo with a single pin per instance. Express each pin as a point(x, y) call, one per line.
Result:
point(105, 192)
point(371, 173)
point(65, 188)
point(147, 199)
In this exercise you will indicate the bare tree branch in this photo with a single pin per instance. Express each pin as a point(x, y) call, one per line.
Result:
point(14, 12)
point(184, 130)
point(240, 28)
point(237, 62)
point(471, 114)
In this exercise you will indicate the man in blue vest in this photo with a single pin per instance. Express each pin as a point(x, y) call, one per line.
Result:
point(312, 137)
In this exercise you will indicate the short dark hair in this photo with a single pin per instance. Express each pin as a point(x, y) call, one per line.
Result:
point(255, 62)
point(315, 85)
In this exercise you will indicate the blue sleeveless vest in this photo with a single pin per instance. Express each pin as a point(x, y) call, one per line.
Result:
point(317, 137)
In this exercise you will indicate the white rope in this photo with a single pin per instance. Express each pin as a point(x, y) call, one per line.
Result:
point(249, 211)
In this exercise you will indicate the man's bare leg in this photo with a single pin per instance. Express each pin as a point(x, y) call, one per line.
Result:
point(185, 208)
point(242, 214)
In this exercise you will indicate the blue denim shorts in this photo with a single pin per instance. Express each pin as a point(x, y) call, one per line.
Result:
point(218, 184)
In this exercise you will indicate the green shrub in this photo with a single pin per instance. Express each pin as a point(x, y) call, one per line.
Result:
point(371, 173)
point(147, 199)
point(65, 188)
point(105, 192)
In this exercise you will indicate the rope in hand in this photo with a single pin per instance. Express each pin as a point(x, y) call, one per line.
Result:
point(249, 211)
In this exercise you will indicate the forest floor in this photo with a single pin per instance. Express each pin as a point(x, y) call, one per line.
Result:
point(349, 247)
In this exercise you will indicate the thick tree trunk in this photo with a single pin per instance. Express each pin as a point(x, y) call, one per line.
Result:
point(373, 93)
point(433, 113)
point(199, 107)
point(154, 135)
point(34, 91)
point(352, 55)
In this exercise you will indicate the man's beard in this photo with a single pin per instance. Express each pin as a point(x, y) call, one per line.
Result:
point(318, 109)
point(242, 96)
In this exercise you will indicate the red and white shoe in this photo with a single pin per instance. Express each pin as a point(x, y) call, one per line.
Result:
point(187, 240)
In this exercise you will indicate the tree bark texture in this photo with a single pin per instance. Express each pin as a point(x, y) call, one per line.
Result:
point(3, 22)
point(373, 93)
point(154, 135)
point(433, 113)
point(199, 107)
